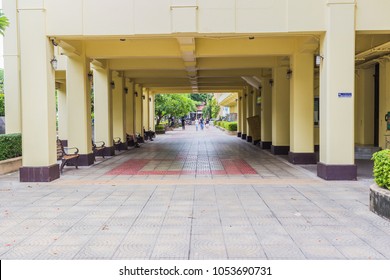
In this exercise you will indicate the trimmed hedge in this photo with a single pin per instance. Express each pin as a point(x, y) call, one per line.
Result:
point(230, 126)
point(382, 168)
point(10, 146)
point(159, 127)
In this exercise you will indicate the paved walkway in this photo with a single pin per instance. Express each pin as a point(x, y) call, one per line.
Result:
point(190, 195)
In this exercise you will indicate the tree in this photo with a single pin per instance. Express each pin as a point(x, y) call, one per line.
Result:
point(3, 23)
point(177, 105)
point(212, 108)
point(200, 98)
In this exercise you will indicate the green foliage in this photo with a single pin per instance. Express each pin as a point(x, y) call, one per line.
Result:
point(3, 23)
point(1, 81)
point(176, 105)
point(10, 146)
point(212, 108)
point(230, 126)
point(200, 97)
point(382, 168)
point(2, 106)
point(159, 127)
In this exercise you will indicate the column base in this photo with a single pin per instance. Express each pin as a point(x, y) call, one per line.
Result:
point(109, 151)
point(121, 146)
point(85, 160)
point(256, 142)
point(316, 148)
point(265, 145)
point(280, 150)
point(243, 136)
point(302, 158)
point(337, 172)
point(39, 174)
point(249, 139)
point(239, 134)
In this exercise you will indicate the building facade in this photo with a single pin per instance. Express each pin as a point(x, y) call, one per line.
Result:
point(137, 48)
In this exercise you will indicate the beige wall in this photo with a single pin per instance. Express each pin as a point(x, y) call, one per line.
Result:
point(384, 100)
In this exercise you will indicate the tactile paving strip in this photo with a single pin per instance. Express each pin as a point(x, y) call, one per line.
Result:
point(184, 166)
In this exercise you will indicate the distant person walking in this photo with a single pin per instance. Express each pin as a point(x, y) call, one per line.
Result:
point(183, 123)
point(207, 123)
point(201, 122)
point(196, 124)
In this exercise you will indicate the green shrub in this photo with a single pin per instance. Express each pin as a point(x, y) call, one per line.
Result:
point(159, 127)
point(2, 113)
point(382, 168)
point(10, 146)
point(231, 126)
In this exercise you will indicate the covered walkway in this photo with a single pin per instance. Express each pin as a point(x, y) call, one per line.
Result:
point(190, 195)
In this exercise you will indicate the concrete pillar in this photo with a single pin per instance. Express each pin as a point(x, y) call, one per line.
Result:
point(239, 110)
point(266, 114)
point(337, 94)
point(249, 111)
point(364, 104)
point(119, 109)
point(145, 109)
point(138, 109)
point(103, 109)
point(129, 107)
point(280, 112)
point(38, 99)
point(384, 101)
point(302, 109)
point(62, 113)
point(13, 113)
point(79, 107)
point(244, 127)
point(151, 111)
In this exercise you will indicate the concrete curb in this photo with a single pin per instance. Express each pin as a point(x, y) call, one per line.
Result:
point(380, 201)
point(10, 165)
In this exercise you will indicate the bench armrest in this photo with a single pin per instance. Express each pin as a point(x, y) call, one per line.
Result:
point(72, 148)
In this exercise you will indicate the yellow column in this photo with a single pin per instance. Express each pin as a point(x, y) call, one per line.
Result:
point(103, 109)
point(38, 99)
point(280, 112)
point(302, 109)
point(266, 114)
point(79, 106)
point(151, 111)
point(337, 94)
point(119, 109)
point(243, 114)
point(13, 115)
point(129, 106)
point(145, 109)
point(249, 111)
point(364, 116)
point(384, 100)
point(138, 109)
point(239, 118)
point(62, 112)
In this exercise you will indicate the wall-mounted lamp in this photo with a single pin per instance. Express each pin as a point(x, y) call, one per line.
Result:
point(143, 97)
point(112, 85)
point(53, 41)
point(252, 91)
point(126, 90)
point(240, 97)
point(150, 99)
point(317, 60)
point(236, 99)
point(288, 74)
point(90, 76)
point(246, 95)
point(136, 94)
point(54, 63)
point(271, 82)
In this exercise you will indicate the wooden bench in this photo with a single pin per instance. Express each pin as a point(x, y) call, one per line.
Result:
point(149, 134)
point(98, 148)
point(117, 143)
point(132, 141)
point(65, 157)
